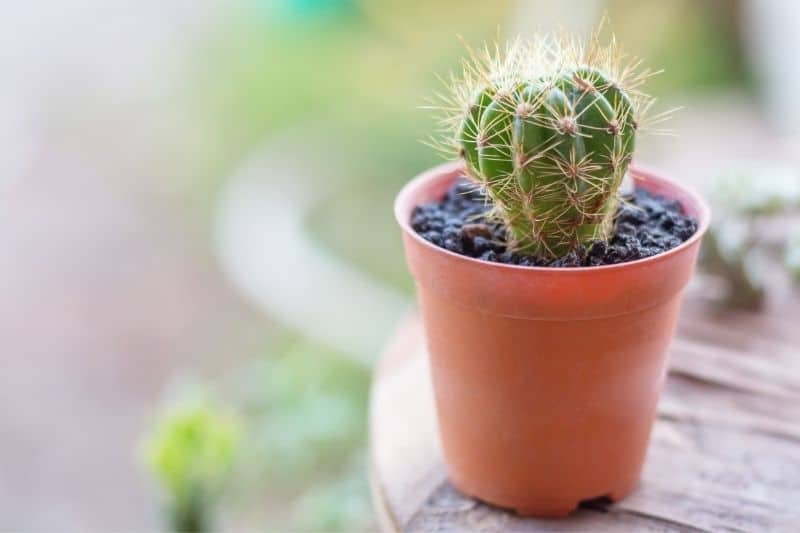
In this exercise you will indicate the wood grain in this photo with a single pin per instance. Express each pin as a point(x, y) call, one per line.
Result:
point(725, 452)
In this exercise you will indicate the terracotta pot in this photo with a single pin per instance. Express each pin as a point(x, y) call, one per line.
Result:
point(546, 379)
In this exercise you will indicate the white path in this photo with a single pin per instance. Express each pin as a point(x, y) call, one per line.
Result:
point(265, 250)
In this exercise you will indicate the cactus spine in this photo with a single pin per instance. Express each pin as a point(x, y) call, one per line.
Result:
point(548, 129)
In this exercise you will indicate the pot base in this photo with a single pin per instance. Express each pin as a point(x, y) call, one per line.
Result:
point(546, 507)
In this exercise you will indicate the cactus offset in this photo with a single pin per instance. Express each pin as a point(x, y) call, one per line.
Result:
point(548, 129)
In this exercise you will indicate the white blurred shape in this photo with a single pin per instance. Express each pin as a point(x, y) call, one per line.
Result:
point(64, 65)
point(772, 33)
point(576, 16)
point(266, 252)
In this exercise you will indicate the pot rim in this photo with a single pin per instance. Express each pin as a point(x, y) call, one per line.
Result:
point(643, 173)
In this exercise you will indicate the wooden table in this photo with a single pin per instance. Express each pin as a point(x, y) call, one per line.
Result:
point(724, 455)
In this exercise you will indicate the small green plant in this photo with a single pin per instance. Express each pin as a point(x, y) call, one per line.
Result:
point(191, 452)
point(301, 380)
point(548, 129)
point(731, 251)
point(753, 205)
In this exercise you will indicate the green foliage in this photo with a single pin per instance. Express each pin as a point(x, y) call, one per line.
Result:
point(548, 129)
point(305, 407)
point(307, 410)
point(698, 43)
point(731, 251)
point(292, 448)
point(191, 452)
point(737, 247)
point(341, 504)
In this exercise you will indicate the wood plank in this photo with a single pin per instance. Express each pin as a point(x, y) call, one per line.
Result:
point(407, 462)
point(735, 369)
point(447, 511)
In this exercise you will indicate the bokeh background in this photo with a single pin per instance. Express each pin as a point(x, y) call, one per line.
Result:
point(198, 260)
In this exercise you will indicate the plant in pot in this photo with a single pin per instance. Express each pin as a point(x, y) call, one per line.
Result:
point(548, 296)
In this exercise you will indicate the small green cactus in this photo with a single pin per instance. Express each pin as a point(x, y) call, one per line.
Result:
point(548, 128)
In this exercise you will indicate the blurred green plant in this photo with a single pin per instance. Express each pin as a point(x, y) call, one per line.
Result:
point(297, 440)
point(304, 411)
point(731, 252)
point(191, 451)
point(748, 205)
point(306, 408)
point(341, 504)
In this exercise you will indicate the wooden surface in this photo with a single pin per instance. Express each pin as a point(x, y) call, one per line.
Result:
point(724, 455)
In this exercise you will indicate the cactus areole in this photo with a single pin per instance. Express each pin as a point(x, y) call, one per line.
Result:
point(548, 129)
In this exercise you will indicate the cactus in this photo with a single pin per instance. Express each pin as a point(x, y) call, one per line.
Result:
point(548, 129)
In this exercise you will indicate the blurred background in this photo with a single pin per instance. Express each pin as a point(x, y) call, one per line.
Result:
point(199, 263)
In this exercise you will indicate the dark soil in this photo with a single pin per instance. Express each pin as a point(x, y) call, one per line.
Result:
point(646, 225)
